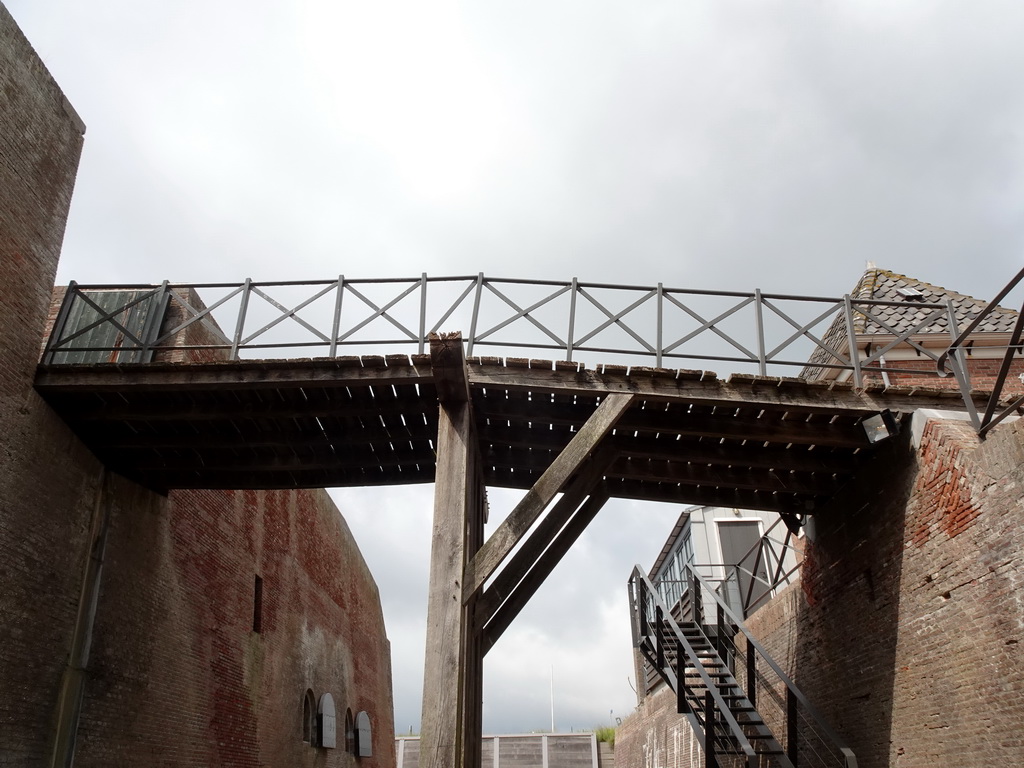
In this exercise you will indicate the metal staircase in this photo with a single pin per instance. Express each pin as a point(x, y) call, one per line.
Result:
point(741, 706)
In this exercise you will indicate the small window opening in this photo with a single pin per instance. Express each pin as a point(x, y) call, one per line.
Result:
point(308, 715)
point(910, 294)
point(350, 733)
point(257, 606)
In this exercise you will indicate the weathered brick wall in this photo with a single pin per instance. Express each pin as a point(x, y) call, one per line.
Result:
point(654, 736)
point(177, 674)
point(907, 626)
point(175, 639)
point(41, 545)
point(910, 614)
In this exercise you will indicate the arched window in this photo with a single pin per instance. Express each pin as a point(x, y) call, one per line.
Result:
point(364, 738)
point(325, 725)
point(350, 733)
point(308, 718)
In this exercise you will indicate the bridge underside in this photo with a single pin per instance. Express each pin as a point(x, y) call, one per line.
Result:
point(688, 438)
point(572, 437)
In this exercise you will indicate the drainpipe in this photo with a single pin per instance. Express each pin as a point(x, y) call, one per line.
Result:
point(885, 374)
point(72, 690)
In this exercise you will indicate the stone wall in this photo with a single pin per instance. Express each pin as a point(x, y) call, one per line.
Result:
point(184, 669)
point(907, 625)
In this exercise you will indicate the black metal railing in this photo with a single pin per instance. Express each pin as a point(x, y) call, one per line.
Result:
point(756, 332)
point(806, 738)
point(954, 361)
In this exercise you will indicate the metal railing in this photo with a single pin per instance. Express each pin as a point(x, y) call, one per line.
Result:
point(808, 739)
point(954, 360)
point(715, 726)
point(758, 332)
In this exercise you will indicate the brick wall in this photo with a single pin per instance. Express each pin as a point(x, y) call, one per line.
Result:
point(907, 626)
point(41, 548)
point(921, 373)
point(177, 674)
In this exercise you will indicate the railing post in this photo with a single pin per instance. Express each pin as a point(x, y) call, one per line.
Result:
point(661, 325)
point(476, 314)
point(642, 608)
point(762, 362)
point(423, 312)
point(58, 324)
point(751, 674)
point(720, 631)
point(151, 329)
point(682, 703)
point(242, 308)
point(851, 337)
point(572, 321)
point(791, 726)
point(660, 645)
point(709, 731)
point(698, 604)
point(336, 324)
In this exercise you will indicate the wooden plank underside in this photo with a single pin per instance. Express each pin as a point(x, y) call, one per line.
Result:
point(237, 374)
point(768, 392)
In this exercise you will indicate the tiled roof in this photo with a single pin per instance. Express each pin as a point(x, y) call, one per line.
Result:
point(915, 313)
point(884, 285)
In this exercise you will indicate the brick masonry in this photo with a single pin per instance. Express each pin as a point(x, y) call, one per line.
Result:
point(907, 626)
point(178, 675)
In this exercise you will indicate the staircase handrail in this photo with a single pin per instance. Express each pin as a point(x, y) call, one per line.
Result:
point(848, 756)
point(723, 709)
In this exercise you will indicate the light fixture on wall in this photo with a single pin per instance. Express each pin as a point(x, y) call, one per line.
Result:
point(881, 426)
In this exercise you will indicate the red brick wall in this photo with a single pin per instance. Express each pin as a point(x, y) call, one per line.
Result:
point(177, 676)
point(175, 640)
point(41, 547)
point(910, 617)
point(921, 373)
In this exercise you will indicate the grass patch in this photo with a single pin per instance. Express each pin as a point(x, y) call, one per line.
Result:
point(605, 733)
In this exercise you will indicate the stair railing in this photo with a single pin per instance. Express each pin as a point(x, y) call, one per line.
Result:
point(649, 639)
point(759, 666)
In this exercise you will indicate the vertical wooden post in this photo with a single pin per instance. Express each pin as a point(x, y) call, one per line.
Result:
point(451, 722)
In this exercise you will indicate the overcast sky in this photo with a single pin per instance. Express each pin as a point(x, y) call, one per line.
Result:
point(707, 144)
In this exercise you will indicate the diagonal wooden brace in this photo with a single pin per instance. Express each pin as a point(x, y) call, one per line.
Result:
point(525, 558)
point(536, 500)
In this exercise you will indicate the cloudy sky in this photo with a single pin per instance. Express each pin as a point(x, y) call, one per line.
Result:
point(708, 144)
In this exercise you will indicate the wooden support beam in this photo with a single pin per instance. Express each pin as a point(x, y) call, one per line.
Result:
point(448, 364)
point(581, 486)
point(554, 478)
point(541, 569)
point(451, 723)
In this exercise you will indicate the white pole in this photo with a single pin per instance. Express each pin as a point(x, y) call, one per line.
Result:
point(552, 698)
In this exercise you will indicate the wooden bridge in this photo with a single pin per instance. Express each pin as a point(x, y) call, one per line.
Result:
point(557, 430)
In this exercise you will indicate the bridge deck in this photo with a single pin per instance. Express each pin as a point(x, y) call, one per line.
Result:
point(758, 443)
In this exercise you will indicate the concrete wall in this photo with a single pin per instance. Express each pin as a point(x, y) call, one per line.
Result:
point(526, 750)
point(907, 626)
point(178, 675)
